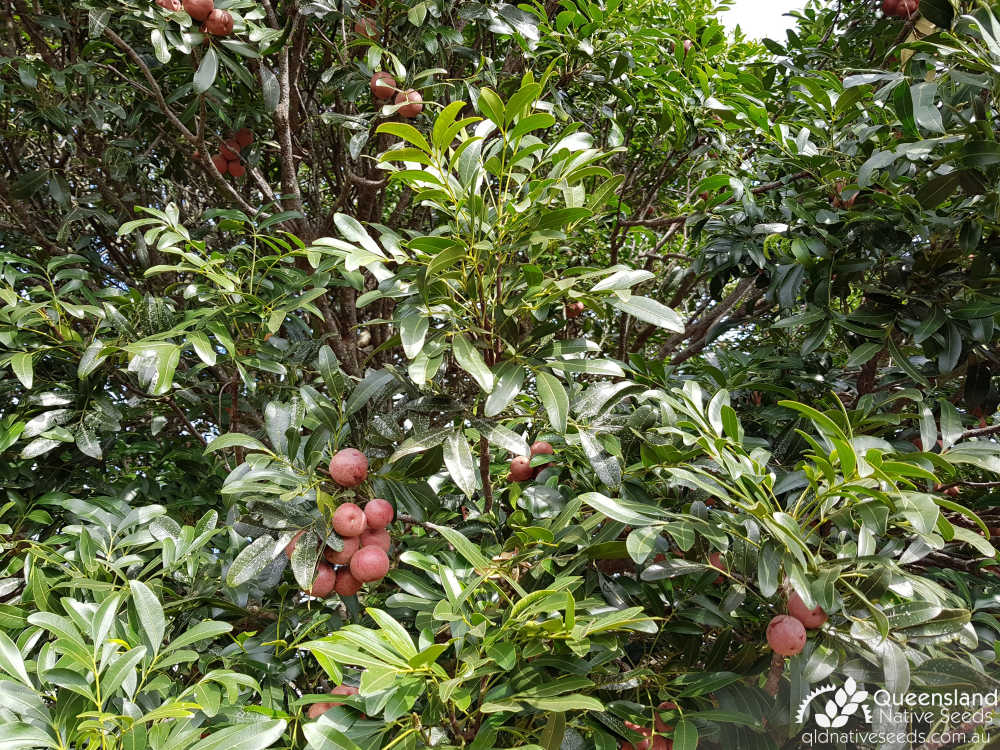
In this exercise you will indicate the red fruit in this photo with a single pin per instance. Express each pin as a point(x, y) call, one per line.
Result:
point(786, 635)
point(415, 106)
point(219, 23)
point(369, 564)
point(716, 561)
point(290, 547)
point(343, 690)
point(322, 585)
point(644, 731)
point(318, 709)
point(236, 169)
point(379, 513)
point(811, 619)
point(906, 8)
point(376, 538)
point(574, 309)
point(351, 545)
point(349, 520)
point(520, 469)
point(199, 10)
point(383, 86)
point(349, 468)
point(243, 137)
point(541, 448)
point(230, 151)
point(347, 585)
point(170, 4)
point(365, 27)
point(660, 724)
point(220, 162)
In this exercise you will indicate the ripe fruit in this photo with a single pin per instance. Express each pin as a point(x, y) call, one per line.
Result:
point(318, 709)
point(230, 150)
point(349, 468)
point(243, 137)
point(220, 162)
point(351, 545)
point(688, 44)
point(716, 561)
point(811, 619)
point(660, 724)
point(219, 23)
point(520, 469)
point(199, 10)
point(574, 310)
point(541, 448)
point(415, 105)
point(323, 582)
point(383, 85)
point(379, 513)
point(236, 169)
point(376, 538)
point(369, 564)
point(349, 520)
point(786, 635)
point(169, 4)
point(365, 27)
point(290, 547)
point(346, 585)
point(343, 690)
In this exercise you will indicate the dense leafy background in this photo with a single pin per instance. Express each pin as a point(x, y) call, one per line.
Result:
point(785, 253)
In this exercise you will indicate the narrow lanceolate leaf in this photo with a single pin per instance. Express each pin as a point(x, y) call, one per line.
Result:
point(11, 661)
point(204, 77)
point(202, 347)
point(150, 613)
point(90, 360)
point(470, 360)
point(252, 560)
point(231, 439)
point(650, 311)
point(509, 380)
point(605, 466)
point(500, 436)
point(20, 363)
point(461, 466)
point(685, 735)
point(951, 424)
point(554, 399)
point(256, 736)
point(304, 558)
point(412, 332)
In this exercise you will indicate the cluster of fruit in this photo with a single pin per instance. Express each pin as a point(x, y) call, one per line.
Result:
point(215, 21)
point(521, 469)
point(383, 86)
point(786, 634)
point(900, 8)
point(227, 161)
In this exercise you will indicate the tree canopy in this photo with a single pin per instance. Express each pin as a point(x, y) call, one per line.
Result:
point(648, 332)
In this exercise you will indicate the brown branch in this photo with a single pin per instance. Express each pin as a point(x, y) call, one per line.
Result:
point(774, 675)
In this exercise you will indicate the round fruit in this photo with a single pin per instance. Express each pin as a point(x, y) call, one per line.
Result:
point(786, 635)
point(365, 27)
point(170, 4)
point(343, 690)
point(716, 561)
point(379, 513)
point(688, 44)
point(383, 85)
point(349, 520)
point(219, 23)
point(230, 151)
point(236, 169)
point(318, 709)
point(542, 448)
point(906, 8)
point(199, 10)
point(322, 585)
point(351, 545)
point(369, 564)
point(574, 309)
point(221, 163)
point(520, 469)
point(347, 585)
point(812, 619)
point(349, 467)
point(660, 724)
point(290, 547)
point(376, 538)
point(243, 137)
point(644, 731)
point(415, 105)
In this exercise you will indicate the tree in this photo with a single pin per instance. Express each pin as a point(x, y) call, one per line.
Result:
point(743, 291)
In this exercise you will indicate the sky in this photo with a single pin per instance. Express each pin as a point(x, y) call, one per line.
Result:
point(761, 18)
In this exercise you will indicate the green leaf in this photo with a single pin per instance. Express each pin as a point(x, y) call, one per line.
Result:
point(621, 511)
point(951, 424)
point(304, 558)
point(251, 560)
point(500, 436)
point(254, 736)
point(372, 385)
point(204, 77)
point(470, 360)
point(509, 380)
point(412, 331)
point(11, 661)
point(231, 439)
point(461, 466)
point(863, 353)
point(650, 311)
point(20, 363)
point(405, 132)
point(353, 231)
point(606, 466)
point(554, 399)
point(150, 612)
point(685, 735)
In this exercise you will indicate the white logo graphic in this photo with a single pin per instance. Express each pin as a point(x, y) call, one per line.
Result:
point(842, 706)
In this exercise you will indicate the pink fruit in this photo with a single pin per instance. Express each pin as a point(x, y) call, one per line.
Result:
point(688, 44)
point(221, 163)
point(318, 709)
point(660, 724)
point(349, 520)
point(236, 169)
point(520, 469)
point(811, 619)
point(349, 467)
point(786, 635)
point(243, 137)
point(290, 547)
point(351, 545)
point(365, 27)
point(415, 103)
point(382, 85)
point(376, 538)
point(346, 585)
point(379, 513)
point(199, 10)
point(369, 564)
point(230, 150)
point(219, 23)
point(716, 561)
point(170, 4)
point(322, 585)
point(574, 309)
point(343, 690)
